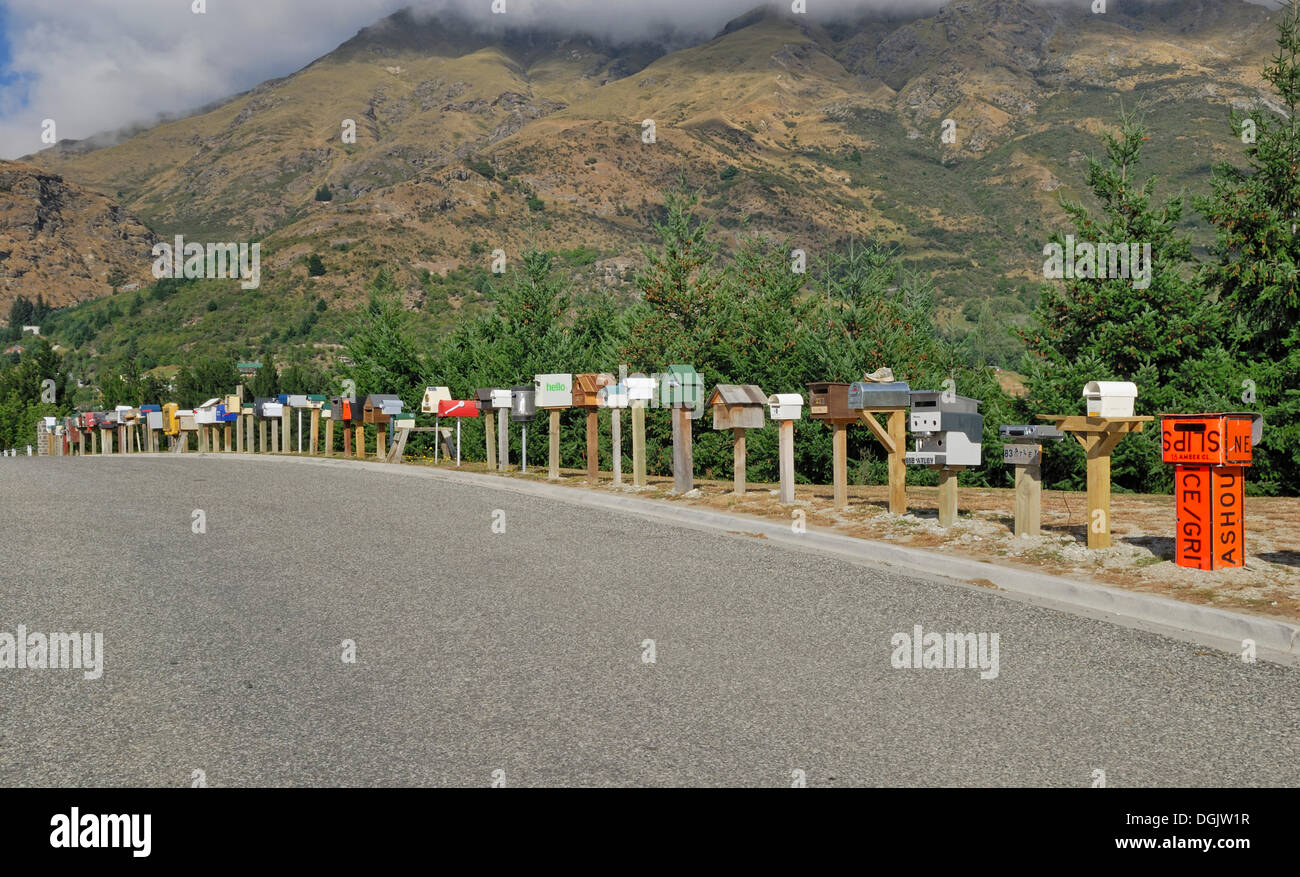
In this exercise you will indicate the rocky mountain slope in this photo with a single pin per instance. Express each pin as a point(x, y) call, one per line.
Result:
point(470, 137)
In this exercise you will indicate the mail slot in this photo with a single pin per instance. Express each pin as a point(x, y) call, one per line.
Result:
point(432, 396)
point(738, 406)
point(868, 396)
point(1110, 398)
point(1211, 439)
point(380, 407)
point(586, 388)
point(785, 406)
point(553, 391)
point(458, 408)
point(829, 401)
point(523, 408)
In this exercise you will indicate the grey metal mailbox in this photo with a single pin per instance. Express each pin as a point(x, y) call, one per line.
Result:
point(949, 430)
point(864, 395)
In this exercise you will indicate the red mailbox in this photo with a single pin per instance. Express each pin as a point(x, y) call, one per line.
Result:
point(1210, 453)
point(458, 408)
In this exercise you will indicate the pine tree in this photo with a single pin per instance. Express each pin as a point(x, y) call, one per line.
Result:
point(1254, 209)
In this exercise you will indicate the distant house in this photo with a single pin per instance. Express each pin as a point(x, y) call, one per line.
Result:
point(248, 369)
point(17, 348)
point(35, 330)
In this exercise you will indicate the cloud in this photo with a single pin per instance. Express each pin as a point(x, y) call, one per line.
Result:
point(97, 66)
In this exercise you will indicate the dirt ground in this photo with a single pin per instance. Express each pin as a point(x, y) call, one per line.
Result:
point(1142, 531)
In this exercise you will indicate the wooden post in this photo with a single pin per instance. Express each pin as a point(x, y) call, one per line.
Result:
point(239, 435)
point(897, 463)
point(840, 460)
point(275, 437)
point(1098, 522)
point(503, 439)
point(638, 443)
point(261, 437)
point(593, 446)
point(1029, 499)
point(616, 443)
point(329, 437)
point(81, 442)
point(948, 495)
point(347, 441)
point(489, 439)
point(360, 431)
point(683, 451)
point(381, 439)
point(787, 461)
point(106, 441)
point(554, 471)
point(315, 431)
point(123, 443)
point(738, 461)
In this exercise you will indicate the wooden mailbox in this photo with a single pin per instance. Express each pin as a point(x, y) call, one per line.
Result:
point(830, 401)
point(1024, 452)
point(1210, 453)
point(586, 395)
point(738, 407)
point(432, 396)
point(380, 407)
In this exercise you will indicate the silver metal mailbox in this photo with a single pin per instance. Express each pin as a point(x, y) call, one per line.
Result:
point(523, 408)
point(949, 430)
point(864, 395)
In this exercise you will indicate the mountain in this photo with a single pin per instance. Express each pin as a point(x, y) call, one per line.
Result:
point(62, 242)
point(472, 137)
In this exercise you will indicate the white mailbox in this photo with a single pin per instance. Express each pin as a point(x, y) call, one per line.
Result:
point(206, 414)
point(785, 406)
point(273, 409)
point(154, 420)
point(1110, 398)
point(501, 398)
point(640, 388)
point(432, 396)
point(403, 420)
point(613, 396)
point(553, 391)
point(297, 402)
point(186, 419)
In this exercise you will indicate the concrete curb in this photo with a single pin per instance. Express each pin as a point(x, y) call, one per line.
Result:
point(1217, 627)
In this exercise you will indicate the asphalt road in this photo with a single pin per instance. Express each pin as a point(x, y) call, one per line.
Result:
point(522, 652)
